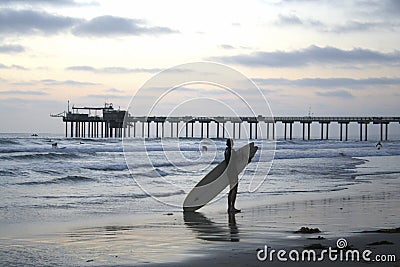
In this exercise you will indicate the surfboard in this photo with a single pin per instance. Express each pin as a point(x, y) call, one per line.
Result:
point(217, 179)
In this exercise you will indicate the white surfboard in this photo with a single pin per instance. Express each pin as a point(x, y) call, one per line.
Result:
point(217, 179)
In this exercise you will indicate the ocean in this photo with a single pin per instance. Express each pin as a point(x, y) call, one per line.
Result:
point(86, 179)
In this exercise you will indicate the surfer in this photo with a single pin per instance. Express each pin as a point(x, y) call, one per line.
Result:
point(232, 175)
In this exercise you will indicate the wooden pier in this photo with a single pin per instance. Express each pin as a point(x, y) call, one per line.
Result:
point(107, 122)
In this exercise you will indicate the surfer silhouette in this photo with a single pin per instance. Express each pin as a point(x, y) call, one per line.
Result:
point(223, 175)
point(232, 176)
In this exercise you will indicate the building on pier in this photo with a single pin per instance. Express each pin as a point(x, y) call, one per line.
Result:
point(93, 122)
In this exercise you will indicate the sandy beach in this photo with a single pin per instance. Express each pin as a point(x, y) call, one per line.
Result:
point(212, 236)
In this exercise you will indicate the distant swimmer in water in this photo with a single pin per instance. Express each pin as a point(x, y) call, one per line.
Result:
point(378, 145)
point(204, 148)
point(54, 145)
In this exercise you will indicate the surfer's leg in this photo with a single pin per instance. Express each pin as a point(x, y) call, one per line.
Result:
point(234, 193)
point(232, 199)
point(230, 196)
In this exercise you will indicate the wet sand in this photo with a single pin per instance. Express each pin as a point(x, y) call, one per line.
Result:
point(196, 239)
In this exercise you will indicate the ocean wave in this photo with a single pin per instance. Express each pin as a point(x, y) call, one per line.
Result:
point(42, 156)
point(66, 179)
point(6, 173)
point(47, 171)
point(115, 167)
point(332, 153)
point(183, 163)
point(63, 148)
point(169, 194)
point(284, 149)
point(6, 141)
point(73, 178)
point(96, 140)
point(156, 172)
point(376, 173)
point(161, 172)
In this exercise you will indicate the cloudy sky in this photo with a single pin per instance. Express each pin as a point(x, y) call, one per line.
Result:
point(337, 57)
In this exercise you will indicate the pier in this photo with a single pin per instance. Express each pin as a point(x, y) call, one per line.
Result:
point(107, 122)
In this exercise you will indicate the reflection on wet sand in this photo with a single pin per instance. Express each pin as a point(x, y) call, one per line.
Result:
point(209, 230)
point(234, 230)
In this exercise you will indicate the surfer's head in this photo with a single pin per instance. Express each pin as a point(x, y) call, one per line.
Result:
point(229, 142)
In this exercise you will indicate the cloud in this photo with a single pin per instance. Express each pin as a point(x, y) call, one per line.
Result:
point(330, 82)
point(298, 1)
point(381, 9)
point(16, 22)
point(352, 26)
point(108, 96)
point(113, 70)
point(33, 22)
point(17, 67)
point(311, 55)
point(293, 20)
point(10, 49)
point(288, 20)
point(114, 90)
point(338, 93)
point(359, 26)
point(82, 68)
point(45, 2)
point(67, 82)
point(162, 89)
point(23, 83)
point(18, 92)
point(392, 6)
point(226, 46)
point(104, 26)
point(346, 27)
point(371, 14)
